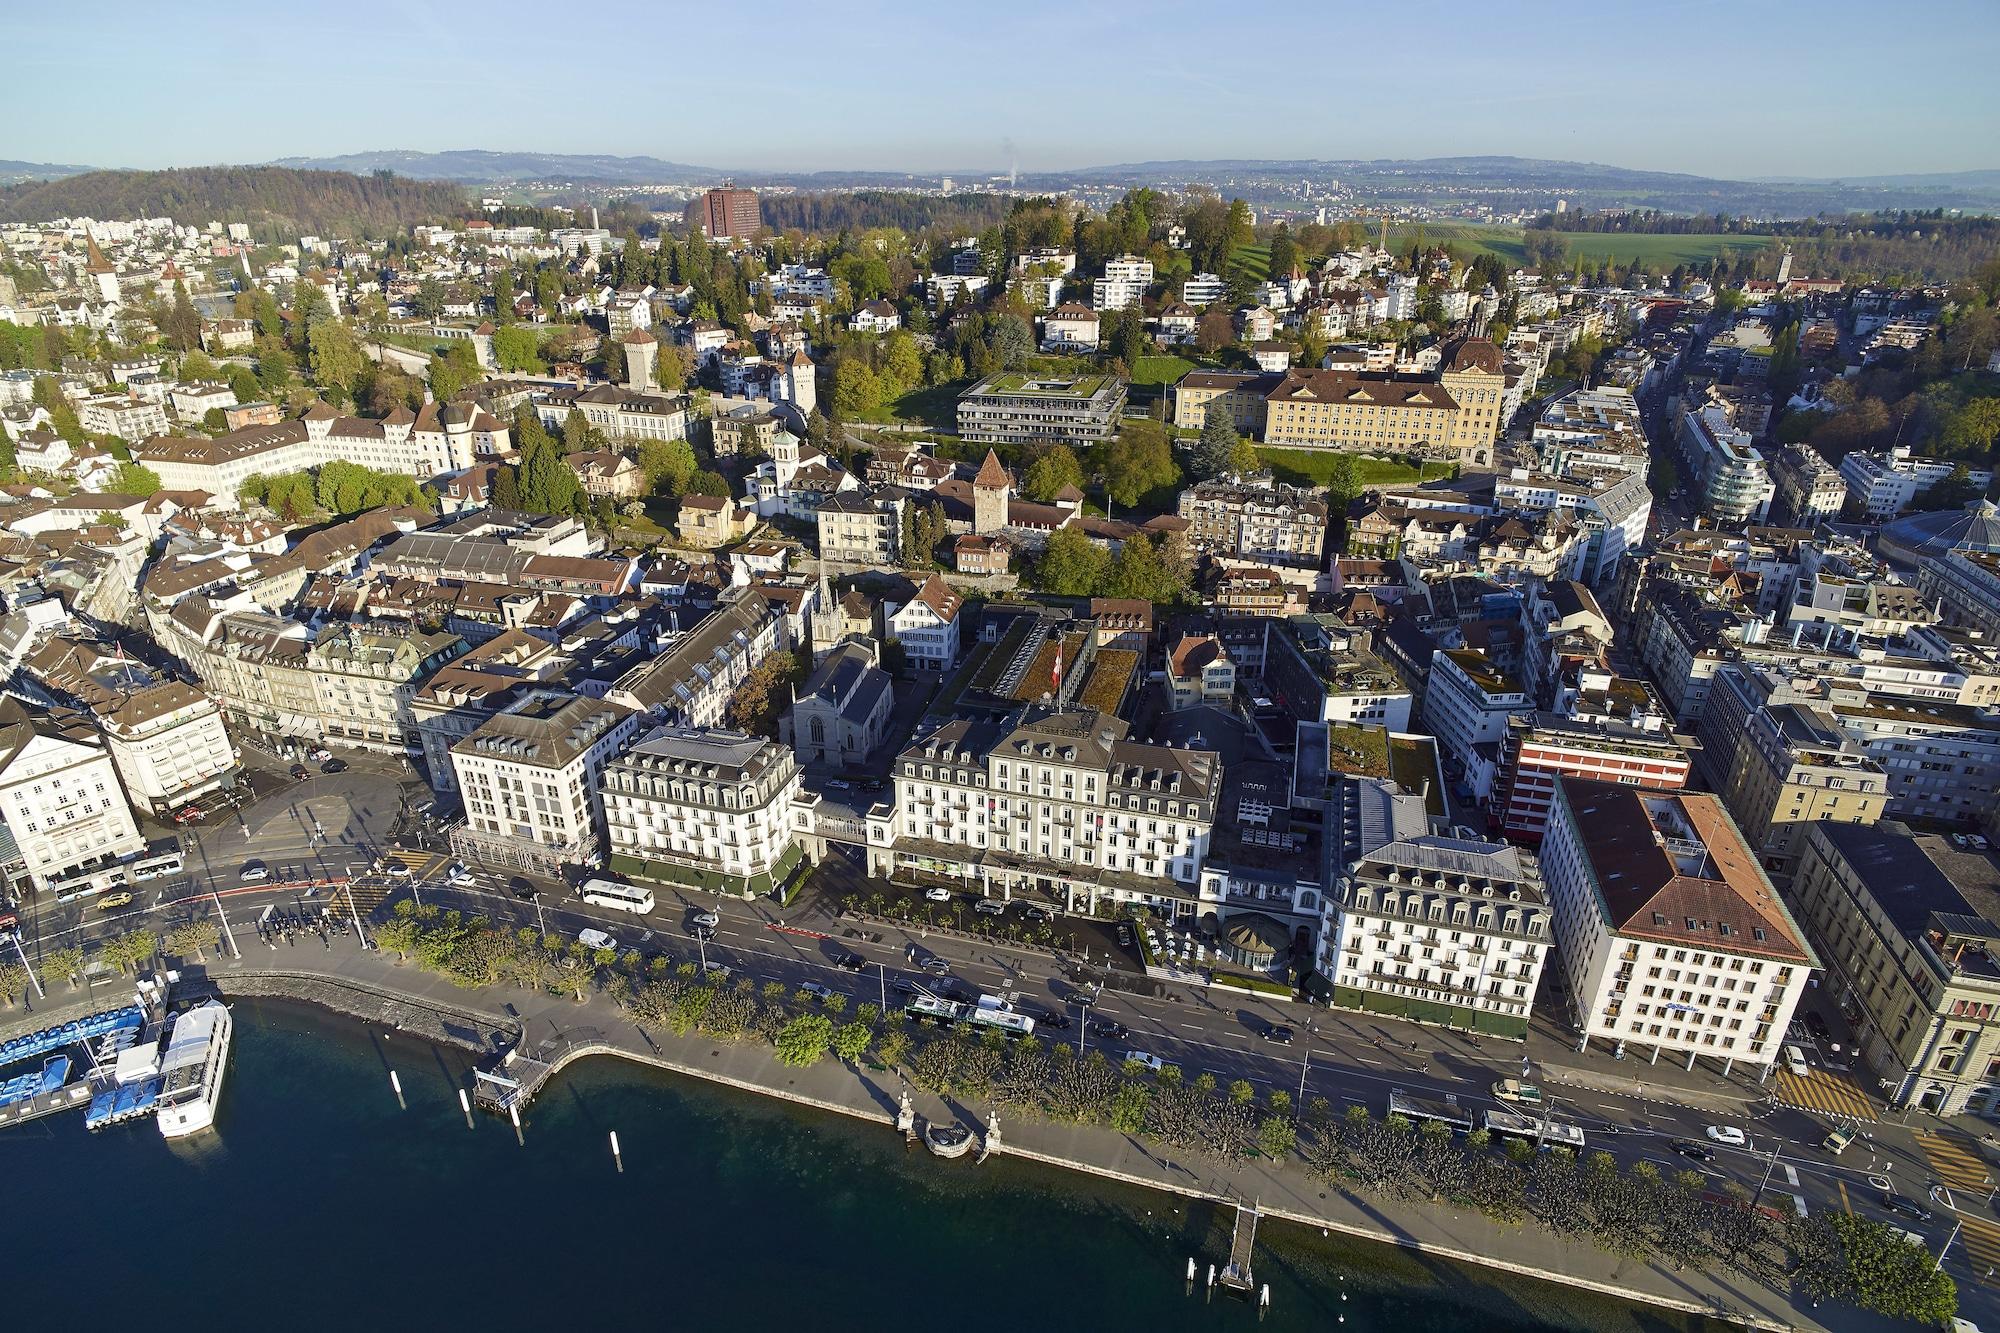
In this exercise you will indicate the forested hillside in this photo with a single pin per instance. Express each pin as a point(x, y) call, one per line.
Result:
point(277, 202)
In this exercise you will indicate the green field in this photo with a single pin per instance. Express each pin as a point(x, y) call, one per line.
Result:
point(1314, 467)
point(1155, 370)
point(1506, 242)
point(1252, 259)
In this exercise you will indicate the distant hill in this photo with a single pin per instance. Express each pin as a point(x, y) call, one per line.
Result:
point(277, 202)
point(37, 171)
point(477, 166)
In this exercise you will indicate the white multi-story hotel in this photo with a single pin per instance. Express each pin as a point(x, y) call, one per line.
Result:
point(705, 807)
point(529, 777)
point(1671, 937)
point(59, 795)
point(1057, 804)
point(1443, 930)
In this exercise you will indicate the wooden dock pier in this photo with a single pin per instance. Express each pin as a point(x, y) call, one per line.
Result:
point(1236, 1273)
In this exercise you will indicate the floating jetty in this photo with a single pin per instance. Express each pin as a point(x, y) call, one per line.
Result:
point(109, 1064)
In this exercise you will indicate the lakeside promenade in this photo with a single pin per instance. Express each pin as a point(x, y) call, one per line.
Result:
point(371, 986)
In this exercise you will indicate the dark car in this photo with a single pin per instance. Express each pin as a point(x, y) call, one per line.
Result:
point(1691, 1150)
point(1904, 1206)
point(334, 766)
point(904, 986)
point(1124, 935)
point(1279, 1033)
point(1032, 912)
point(850, 962)
point(1107, 1028)
point(521, 888)
point(1053, 1019)
point(1817, 1026)
point(301, 772)
point(706, 934)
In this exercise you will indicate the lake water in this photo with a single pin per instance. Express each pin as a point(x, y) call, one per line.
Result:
point(318, 1204)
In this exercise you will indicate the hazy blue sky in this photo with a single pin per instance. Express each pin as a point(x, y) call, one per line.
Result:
point(1718, 87)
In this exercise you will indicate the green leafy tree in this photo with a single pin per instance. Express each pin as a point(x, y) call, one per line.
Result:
point(851, 1040)
point(669, 465)
point(856, 390)
point(1053, 469)
point(453, 372)
point(64, 963)
point(180, 328)
point(1137, 571)
point(516, 351)
point(1071, 565)
point(133, 479)
point(335, 356)
point(14, 983)
point(764, 694)
point(1971, 430)
point(803, 1040)
point(708, 482)
point(1139, 460)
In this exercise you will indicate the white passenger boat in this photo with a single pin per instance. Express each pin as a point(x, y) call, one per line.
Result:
point(191, 1069)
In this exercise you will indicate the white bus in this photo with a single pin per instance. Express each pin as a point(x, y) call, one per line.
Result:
point(88, 884)
point(624, 897)
point(1532, 1129)
point(152, 867)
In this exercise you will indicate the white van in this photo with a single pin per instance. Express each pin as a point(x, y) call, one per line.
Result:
point(595, 939)
point(1795, 1061)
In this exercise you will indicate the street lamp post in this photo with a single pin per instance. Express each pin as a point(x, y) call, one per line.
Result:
point(541, 922)
point(1769, 1167)
point(1082, 1028)
point(882, 976)
point(1305, 1067)
point(1949, 1239)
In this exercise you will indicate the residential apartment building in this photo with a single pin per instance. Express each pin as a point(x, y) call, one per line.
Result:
point(727, 213)
point(1906, 926)
point(1124, 284)
point(125, 415)
point(1669, 934)
point(1256, 518)
point(927, 625)
point(1882, 485)
point(1724, 471)
point(1013, 408)
point(1542, 747)
point(166, 737)
point(529, 780)
point(1441, 930)
point(862, 528)
point(1809, 490)
point(704, 808)
point(1942, 760)
point(1787, 767)
point(60, 797)
point(364, 680)
point(1467, 703)
point(692, 680)
point(1058, 805)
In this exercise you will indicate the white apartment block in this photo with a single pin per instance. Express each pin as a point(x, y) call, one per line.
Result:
point(704, 807)
point(1123, 285)
point(691, 682)
point(1882, 485)
point(1670, 935)
point(127, 416)
point(1058, 805)
point(1443, 930)
point(529, 778)
point(1467, 703)
point(60, 796)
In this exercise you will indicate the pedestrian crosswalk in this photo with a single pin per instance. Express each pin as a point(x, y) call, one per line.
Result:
point(1957, 1163)
point(1825, 1091)
point(415, 860)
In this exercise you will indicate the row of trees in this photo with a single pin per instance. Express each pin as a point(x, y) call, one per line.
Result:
point(1072, 565)
point(1637, 1212)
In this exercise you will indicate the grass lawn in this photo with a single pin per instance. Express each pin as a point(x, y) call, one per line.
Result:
point(1160, 370)
point(936, 407)
point(1314, 467)
point(411, 342)
point(1252, 259)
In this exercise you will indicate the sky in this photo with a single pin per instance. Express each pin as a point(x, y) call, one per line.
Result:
point(1729, 88)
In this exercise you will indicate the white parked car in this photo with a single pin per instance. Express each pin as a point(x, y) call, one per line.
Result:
point(1729, 1136)
point(254, 871)
point(1795, 1061)
point(595, 939)
point(456, 873)
point(938, 895)
point(817, 991)
point(1146, 1058)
